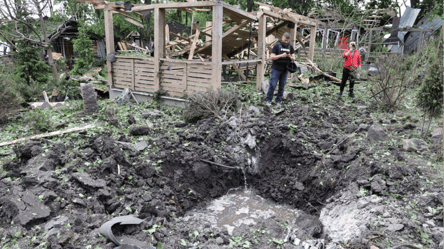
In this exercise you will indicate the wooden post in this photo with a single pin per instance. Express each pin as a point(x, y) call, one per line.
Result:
point(324, 39)
point(216, 52)
point(133, 75)
point(312, 42)
point(159, 44)
point(421, 41)
point(109, 36)
point(367, 55)
point(261, 51)
point(293, 36)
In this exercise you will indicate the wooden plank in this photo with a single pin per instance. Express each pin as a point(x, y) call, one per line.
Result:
point(145, 75)
point(216, 40)
point(174, 5)
point(109, 37)
point(193, 45)
point(261, 51)
point(204, 77)
point(47, 135)
point(133, 75)
point(367, 55)
point(312, 42)
point(203, 67)
point(159, 42)
point(198, 80)
point(197, 73)
point(241, 13)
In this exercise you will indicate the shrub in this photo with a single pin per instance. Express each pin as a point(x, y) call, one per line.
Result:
point(29, 66)
point(82, 46)
point(393, 81)
point(211, 104)
point(10, 99)
point(430, 95)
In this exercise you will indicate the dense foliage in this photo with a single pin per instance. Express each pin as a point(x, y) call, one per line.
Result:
point(430, 97)
point(29, 65)
point(10, 99)
point(82, 46)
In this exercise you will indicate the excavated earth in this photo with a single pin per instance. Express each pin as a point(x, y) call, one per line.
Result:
point(351, 192)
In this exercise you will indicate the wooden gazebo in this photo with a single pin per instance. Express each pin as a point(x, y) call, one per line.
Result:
point(179, 76)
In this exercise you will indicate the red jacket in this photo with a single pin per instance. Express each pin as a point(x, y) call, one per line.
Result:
point(352, 60)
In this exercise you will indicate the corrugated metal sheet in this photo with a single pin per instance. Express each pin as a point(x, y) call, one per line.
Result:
point(413, 37)
point(407, 20)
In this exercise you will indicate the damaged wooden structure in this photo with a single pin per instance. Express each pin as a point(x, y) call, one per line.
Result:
point(202, 69)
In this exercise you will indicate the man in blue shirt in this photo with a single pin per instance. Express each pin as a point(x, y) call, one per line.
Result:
point(281, 55)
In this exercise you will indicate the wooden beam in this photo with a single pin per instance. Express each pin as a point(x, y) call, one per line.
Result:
point(243, 14)
point(133, 22)
point(367, 55)
point(229, 32)
point(216, 41)
point(109, 36)
point(159, 44)
point(261, 51)
point(293, 35)
point(175, 5)
point(193, 45)
point(312, 42)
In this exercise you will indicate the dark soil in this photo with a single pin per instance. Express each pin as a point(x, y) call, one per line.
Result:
point(306, 156)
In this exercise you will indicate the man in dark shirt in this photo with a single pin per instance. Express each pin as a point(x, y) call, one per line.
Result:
point(281, 55)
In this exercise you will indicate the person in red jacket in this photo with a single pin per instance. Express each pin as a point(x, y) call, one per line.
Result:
point(352, 63)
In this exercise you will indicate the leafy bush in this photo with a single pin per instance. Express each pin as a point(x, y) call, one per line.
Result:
point(211, 103)
point(29, 66)
point(430, 96)
point(10, 99)
point(82, 46)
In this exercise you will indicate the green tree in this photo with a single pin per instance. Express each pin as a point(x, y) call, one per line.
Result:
point(82, 46)
point(29, 66)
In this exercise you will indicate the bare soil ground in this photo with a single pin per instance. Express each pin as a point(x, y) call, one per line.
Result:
point(316, 154)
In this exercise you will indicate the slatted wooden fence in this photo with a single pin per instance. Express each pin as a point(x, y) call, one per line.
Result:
point(326, 54)
point(176, 77)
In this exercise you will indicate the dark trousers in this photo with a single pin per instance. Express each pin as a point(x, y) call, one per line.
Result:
point(277, 76)
point(346, 74)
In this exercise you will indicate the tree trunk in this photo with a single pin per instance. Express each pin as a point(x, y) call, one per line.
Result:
point(47, 41)
point(250, 4)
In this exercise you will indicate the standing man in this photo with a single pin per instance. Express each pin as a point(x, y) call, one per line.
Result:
point(281, 55)
point(351, 64)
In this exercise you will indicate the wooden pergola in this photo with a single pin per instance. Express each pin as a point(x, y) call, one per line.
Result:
point(180, 77)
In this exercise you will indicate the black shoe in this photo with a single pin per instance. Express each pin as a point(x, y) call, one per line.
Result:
point(340, 95)
point(351, 95)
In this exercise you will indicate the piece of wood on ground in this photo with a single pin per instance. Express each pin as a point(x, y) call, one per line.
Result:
point(320, 71)
point(55, 133)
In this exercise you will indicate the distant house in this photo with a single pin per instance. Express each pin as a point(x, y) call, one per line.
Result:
point(62, 43)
